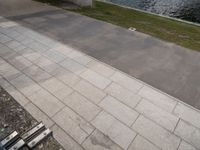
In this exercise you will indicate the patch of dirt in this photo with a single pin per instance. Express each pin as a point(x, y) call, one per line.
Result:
point(13, 117)
point(184, 36)
point(143, 22)
point(167, 31)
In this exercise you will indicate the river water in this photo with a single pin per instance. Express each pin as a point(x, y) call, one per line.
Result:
point(183, 9)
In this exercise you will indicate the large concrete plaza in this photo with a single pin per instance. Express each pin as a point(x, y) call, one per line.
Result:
point(170, 68)
point(69, 71)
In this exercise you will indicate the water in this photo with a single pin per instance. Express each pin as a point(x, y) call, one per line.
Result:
point(183, 9)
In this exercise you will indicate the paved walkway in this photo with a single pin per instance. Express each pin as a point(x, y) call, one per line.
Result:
point(90, 105)
point(170, 68)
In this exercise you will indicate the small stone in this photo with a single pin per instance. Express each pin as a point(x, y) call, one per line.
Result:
point(5, 125)
point(2, 129)
point(41, 146)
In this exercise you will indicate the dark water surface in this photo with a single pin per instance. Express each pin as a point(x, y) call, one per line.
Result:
point(183, 9)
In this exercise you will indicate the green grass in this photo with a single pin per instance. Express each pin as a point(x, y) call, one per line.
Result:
point(169, 30)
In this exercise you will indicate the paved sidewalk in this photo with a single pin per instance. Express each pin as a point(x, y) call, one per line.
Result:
point(88, 104)
point(168, 67)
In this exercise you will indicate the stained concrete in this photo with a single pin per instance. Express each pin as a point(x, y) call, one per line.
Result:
point(168, 67)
